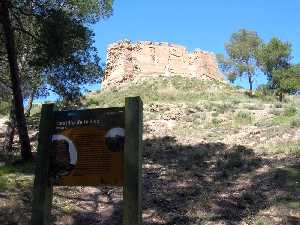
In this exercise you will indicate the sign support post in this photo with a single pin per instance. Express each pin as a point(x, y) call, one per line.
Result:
point(132, 190)
point(90, 147)
point(42, 190)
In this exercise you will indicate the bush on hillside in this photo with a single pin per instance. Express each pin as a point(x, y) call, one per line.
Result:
point(290, 111)
point(264, 93)
point(295, 123)
point(243, 117)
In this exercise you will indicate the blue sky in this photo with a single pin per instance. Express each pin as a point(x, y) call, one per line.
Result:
point(199, 23)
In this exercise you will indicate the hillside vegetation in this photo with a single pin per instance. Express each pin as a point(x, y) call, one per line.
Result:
point(208, 111)
point(212, 155)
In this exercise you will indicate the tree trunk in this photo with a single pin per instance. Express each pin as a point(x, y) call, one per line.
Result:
point(281, 96)
point(250, 85)
point(30, 101)
point(9, 132)
point(15, 80)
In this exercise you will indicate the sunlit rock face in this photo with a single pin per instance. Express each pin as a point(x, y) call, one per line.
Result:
point(127, 61)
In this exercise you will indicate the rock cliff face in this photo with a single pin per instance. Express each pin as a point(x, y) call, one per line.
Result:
point(127, 61)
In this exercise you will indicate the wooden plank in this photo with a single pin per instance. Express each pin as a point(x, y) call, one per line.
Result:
point(42, 190)
point(132, 192)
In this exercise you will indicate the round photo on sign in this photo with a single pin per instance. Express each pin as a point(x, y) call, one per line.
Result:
point(114, 139)
point(65, 156)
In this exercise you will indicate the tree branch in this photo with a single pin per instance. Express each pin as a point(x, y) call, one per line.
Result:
point(21, 28)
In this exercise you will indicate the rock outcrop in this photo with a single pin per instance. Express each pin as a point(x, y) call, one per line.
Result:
point(127, 61)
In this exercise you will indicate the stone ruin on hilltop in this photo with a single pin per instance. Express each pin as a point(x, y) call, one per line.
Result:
point(127, 61)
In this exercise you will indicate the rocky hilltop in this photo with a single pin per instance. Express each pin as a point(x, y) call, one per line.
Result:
point(127, 60)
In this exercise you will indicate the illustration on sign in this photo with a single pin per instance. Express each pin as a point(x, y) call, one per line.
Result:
point(114, 139)
point(65, 156)
point(88, 151)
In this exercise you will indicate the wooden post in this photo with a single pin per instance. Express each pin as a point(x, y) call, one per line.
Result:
point(132, 192)
point(42, 190)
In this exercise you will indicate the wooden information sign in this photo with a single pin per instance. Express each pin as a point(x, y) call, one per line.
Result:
point(90, 147)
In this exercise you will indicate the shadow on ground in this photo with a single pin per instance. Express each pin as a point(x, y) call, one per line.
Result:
point(206, 183)
point(214, 183)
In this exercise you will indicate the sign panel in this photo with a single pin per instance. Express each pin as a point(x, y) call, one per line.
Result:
point(88, 147)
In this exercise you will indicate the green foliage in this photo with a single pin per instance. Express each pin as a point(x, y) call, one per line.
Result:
point(290, 148)
point(242, 47)
point(295, 123)
point(216, 121)
point(55, 45)
point(241, 51)
point(21, 168)
point(19, 174)
point(91, 102)
point(4, 108)
point(264, 93)
point(239, 158)
point(227, 66)
point(290, 111)
point(287, 116)
point(274, 55)
point(287, 79)
point(91, 10)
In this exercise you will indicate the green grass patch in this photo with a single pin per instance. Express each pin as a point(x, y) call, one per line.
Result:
point(4, 108)
point(19, 175)
point(289, 116)
point(288, 148)
point(295, 122)
point(294, 205)
point(3, 183)
point(281, 120)
point(286, 120)
point(216, 121)
point(92, 102)
point(176, 89)
point(243, 117)
point(289, 178)
point(20, 168)
point(290, 111)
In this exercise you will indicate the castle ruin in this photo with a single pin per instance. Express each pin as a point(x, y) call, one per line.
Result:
point(127, 61)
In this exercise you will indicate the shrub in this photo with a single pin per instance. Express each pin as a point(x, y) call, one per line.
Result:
point(290, 111)
point(276, 112)
point(243, 117)
point(295, 122)
point(92, 102)
point(222, 108)
point(216, 121)
point(288, 148)
point(264, 93)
